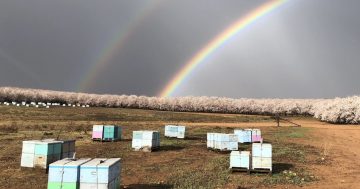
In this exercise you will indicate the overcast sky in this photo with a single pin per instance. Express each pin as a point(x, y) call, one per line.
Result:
point(304, 49)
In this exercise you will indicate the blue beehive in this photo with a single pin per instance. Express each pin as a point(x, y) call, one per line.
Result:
point(100, 173)
point(65, 174)
point(40, 153)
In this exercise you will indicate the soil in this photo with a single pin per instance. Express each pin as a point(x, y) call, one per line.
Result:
point(336, 163)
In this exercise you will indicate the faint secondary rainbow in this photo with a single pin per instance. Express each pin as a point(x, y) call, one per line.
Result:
point(219, 40)
point(116, 44)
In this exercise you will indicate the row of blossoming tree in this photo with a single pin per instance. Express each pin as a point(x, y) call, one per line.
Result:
point(338, 110)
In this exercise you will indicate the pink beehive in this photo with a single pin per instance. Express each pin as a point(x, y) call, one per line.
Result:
point(256, 135)
point(97, 133)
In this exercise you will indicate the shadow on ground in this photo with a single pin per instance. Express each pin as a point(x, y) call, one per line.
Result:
point(171, 148)
point(195, 138)
point(148, 186)
point(280, 167)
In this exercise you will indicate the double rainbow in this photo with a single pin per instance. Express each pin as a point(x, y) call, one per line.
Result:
point(219, 40)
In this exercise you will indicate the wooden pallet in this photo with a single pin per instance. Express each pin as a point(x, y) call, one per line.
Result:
point(110, 140)
point(97, 139)
point(105, 140)
point(240, 169)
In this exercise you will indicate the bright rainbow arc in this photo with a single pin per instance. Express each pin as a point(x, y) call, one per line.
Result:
point(217, 42)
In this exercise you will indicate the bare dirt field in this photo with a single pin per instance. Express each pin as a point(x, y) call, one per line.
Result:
point(317, 155)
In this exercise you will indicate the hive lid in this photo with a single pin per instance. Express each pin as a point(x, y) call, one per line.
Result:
point(101, 162)
point(109, 162)
point(245, 152)
point(235, 153)
point(146, 131)
point(46, 141)
point(70, 162)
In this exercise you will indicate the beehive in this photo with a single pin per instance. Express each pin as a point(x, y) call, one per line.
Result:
point(175, 131)
point(40, 153)
point(221, 141)
point(100, 173)
point(256, 135)
point(244, 135)
point(146, 140)
point(240, 159)
point(68, 148)
point(261, 156)
point(98, 131)
point(112, 133)
point(65, 173)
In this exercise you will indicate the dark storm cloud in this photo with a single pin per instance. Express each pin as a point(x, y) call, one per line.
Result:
point(304, 49)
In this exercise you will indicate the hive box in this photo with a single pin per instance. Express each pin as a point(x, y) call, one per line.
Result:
point(256, 135)
point(106, 132)
point(112, 133)
point(98, 131)
point(100, 173)
point(221, 141)
point(175, 131)
point(240, 159)
point(40, 153)
point(68, 149)
point(261, 156)
point(145, 140)
point(244, 136)
point(65, 173)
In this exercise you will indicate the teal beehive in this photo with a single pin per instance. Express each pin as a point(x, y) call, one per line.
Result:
point(40, 153)
point(112, 133)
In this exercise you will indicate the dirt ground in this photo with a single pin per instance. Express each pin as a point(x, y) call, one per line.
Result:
point(324, 155)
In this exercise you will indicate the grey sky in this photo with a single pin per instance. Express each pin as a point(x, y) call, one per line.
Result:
point(304, 49)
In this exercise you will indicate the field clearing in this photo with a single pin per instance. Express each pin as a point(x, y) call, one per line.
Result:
point(319, 155)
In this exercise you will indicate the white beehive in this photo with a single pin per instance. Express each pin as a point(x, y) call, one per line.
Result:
point(240, 159)
point(244, 135)
point(262, 156)
point(40, 153)
point(223, 142)
point(148, 140)
point(175, 131)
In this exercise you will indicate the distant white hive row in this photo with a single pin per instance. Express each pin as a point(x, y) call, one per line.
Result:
point(42, 104)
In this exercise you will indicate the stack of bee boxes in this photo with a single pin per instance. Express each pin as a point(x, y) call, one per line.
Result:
point(261, 156)
point(240, 160)
point(100, 173)
point(106, 132)
point(98, 131)
point(244, 135)
point(65, 173)
point(146, 140)
point(40, 153)
point(112, 133)
point(221, 141)
point(68, 149)
point(256, 135)
point(175, 131)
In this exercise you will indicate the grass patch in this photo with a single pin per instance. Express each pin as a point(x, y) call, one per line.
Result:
point(212, 175)
point(297, 177)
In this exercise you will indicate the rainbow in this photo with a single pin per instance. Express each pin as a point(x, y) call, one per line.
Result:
point(115, 45)
point(217, 42)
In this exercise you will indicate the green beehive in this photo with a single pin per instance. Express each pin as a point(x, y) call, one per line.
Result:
point(112, 133)
point(59, 185)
